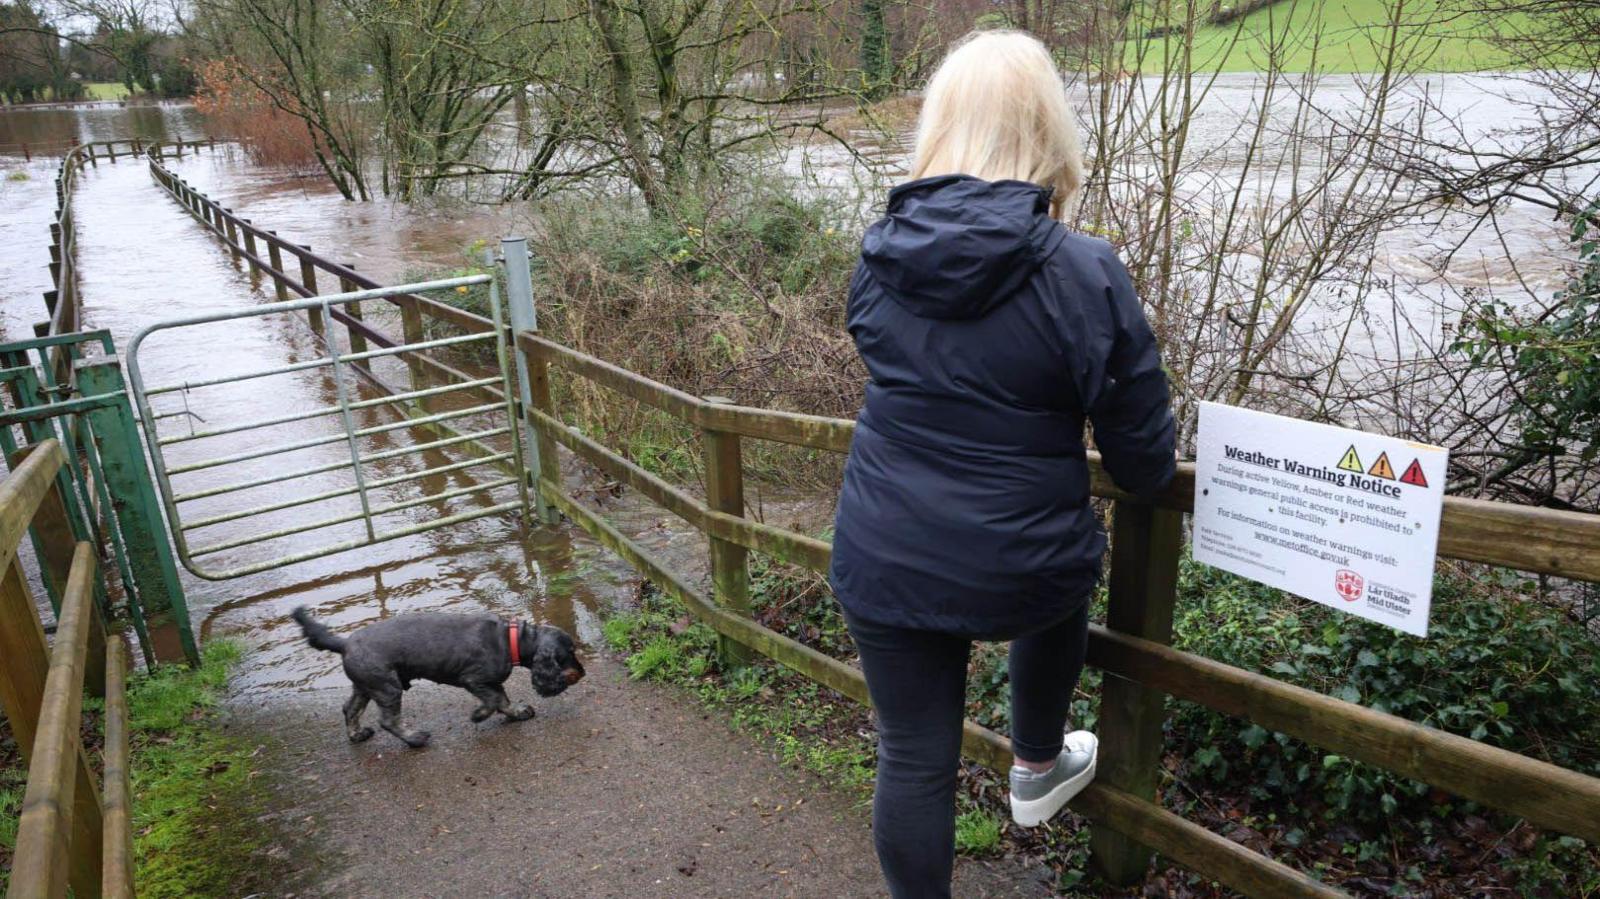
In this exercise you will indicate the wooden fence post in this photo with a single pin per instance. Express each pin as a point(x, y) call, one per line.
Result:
point(24, 659)
point(59, 833)
point(116, 875)
point(276, 255)
point(55, 542)
point(233, 237)
point(730, 571)
point(412, 332)
point(539, 398)
point(358, 341)
point(308, 279)
point(254, 254)
point(1145, 545)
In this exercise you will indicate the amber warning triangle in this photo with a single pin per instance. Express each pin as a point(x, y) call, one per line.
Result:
point(1413, 475)
point(1351, 461)
point(1382, 468)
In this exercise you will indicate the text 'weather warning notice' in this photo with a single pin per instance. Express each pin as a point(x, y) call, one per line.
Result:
point(1345, 518)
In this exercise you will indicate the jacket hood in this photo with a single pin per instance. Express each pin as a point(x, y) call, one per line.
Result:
point(956, 246)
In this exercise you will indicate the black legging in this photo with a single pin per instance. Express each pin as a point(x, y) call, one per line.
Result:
point(918, 682)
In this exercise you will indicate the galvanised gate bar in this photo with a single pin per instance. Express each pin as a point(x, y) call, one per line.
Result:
point(340, 364)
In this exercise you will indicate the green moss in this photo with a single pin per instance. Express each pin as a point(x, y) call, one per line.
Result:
point(13, 779)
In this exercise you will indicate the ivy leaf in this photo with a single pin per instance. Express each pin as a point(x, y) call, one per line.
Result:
point(1253, 736)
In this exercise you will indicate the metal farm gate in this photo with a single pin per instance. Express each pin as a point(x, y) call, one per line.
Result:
point(420, 408)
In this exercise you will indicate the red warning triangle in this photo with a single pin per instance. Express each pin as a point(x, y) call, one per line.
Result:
point(1351, 461)
point(1382, 468)
point(1413, 474)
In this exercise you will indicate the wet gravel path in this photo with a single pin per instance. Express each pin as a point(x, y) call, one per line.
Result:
point(617, 788)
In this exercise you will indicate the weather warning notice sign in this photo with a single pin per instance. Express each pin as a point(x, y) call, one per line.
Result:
point(1345, 518)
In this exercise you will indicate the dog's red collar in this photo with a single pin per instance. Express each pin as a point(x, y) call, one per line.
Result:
point(513, 631)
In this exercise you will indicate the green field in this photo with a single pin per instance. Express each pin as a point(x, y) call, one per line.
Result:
point(1329, 36)
point(106, 90)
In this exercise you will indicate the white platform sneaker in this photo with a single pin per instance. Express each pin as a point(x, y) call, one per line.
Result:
point(1035, 798)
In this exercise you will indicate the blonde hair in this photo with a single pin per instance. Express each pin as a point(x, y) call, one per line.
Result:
point(997, 109)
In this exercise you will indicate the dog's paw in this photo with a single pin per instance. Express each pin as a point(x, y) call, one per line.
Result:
point(481, 713)
point(416, 739)
point(361, 735)
point(520, 713)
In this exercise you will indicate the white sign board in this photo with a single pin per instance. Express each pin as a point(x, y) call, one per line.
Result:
point(1345, 518)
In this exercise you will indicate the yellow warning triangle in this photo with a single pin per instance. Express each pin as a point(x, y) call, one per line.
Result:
point(1351, 461)
point(1382, 468)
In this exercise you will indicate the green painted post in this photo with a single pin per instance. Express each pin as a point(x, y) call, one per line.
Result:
point(1142, 587)
point(134, 501)
point(25, 390)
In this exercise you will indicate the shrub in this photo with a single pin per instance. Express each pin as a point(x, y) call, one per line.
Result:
point(1495, 667)
point(236, 109)
point(738, 294)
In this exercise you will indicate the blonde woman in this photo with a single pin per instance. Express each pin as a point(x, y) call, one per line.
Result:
point(992, 334)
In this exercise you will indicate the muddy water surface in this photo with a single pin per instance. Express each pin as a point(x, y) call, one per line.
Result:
point(144, 260)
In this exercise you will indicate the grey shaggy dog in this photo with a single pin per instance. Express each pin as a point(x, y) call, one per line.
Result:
point(472, 652)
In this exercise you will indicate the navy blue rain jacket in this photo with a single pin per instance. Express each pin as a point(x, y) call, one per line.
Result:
point(990, 333)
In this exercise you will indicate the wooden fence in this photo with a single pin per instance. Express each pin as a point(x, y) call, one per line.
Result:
point(1133, 647)
point(70, 834)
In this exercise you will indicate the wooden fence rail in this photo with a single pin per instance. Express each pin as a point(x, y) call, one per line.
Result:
point(1133, 648)
point(66, 827)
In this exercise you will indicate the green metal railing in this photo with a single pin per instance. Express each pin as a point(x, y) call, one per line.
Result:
point(106, 487)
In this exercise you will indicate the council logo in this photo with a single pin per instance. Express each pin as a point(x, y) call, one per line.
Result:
point(1348, 584)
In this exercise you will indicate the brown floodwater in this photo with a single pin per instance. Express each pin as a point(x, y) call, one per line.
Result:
point(144, 260)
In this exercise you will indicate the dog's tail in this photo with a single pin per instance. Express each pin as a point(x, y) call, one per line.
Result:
point(317, 633)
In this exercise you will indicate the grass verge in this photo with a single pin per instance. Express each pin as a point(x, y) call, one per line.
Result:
point(195, 805)
point(106, 90)
point(807, 725)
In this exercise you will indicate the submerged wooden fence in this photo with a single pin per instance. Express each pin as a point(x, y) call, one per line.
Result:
point(295, 269)
point(1133, 647)
point(63, 303)
point(264, 252)
point(69, 834)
